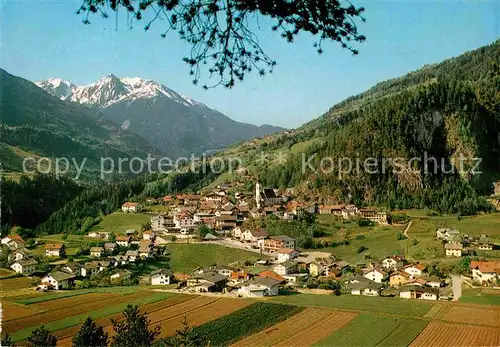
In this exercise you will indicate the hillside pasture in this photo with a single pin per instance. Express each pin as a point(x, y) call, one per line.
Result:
point(118, 222)
point(187, 257)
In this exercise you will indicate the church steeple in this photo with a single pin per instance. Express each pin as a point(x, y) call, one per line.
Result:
point(257, 193)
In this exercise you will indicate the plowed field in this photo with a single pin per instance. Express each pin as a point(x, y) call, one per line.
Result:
point(443, 334)
point(473, 315)
point(303, 329)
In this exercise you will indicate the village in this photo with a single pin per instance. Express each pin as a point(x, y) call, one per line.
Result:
point(281, 265)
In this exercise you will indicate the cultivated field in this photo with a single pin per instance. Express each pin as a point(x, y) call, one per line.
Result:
point(474, 315)
point(444, 334)
point(303, 329)
point(375, 330)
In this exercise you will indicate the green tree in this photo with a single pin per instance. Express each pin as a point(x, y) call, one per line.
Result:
point(185, 337)
point(41, 337)
point(6, 340)
point(201, 231)
point(221, 34)
point(90, 334)
point(134, 329)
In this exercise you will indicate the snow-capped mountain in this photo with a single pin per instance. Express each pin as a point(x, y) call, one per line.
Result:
point(58, 87)
point(111, 89)
point(176, 124)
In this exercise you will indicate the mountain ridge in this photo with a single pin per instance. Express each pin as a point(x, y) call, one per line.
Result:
point(175, 123)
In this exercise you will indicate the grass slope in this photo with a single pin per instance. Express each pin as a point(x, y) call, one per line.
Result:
point(118, 222)
point(368, 330)
point(187, 257)
point(259, 316)
point(362, 303)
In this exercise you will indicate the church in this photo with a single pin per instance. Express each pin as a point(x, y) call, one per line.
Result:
point(267, 196)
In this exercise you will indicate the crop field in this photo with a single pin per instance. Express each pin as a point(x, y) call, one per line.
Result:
point(481, 296)
point(303, 329)
point(14, 311)
point(12, 284)
point(5, 272)
point(371, 330)
point(474, 315)
point(443, 334)
point(168, 314)
point(244, 322)
point(361, 303)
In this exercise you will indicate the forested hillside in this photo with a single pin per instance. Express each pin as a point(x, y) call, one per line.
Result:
point(444, 111)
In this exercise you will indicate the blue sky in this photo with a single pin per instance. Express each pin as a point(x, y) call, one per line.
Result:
point(42, 39)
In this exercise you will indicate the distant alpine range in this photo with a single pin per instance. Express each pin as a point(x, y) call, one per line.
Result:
point(171, 122)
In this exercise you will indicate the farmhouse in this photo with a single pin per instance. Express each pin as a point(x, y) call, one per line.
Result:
point(110, 247)
point(7, 239)
point(120, 275)
point(286, 254)
point(148, 235)
point(447, 234)
point(374, 216)
point(59, 280)
point(132, 255)
point(260, 287)
point(123, 241)
point(19, 254)
point(368, 288)
point(285, 268)
point(73, 268)
point(485, 271)
point(415, 269)
point(485, 247)
point(226, 222)
point(376, 275)
point(54, 250)
point(184, 221)
point(207, 282)
point(399, 278)
point(131, 207)
point(89, 269)
point(254, 235)
point(24, 266)
point(161, 277)
point(417, 292)
point(272, 274)
point(96, 251)
point(453, 249)
point(392, 263)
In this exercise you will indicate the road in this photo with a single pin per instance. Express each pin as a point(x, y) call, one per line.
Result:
point(406, 230)
point(456, 282)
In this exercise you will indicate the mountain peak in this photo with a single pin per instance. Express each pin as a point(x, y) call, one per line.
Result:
point(111, 89)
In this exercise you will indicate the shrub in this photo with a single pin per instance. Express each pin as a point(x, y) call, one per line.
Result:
point(361, 249)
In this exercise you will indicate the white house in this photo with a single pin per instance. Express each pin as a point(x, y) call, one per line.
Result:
point(54, 250)
point(123, 241)
point(368, 288)
point(377, 275)
point(24, 266)
point(121, 275)
point(415, 269)
point(392, 263)
point(485, 271)
point(418, 292)
point(254, 235)
point(285, 268)
point(148, 235)
point(96, 251)
point(131, 207)
point(184, 222)
point(237, 233)
point(453, 249)
point(161, 277)
point(59, 279)
point(19, 254)
point(286, 254)
point(260, 287)
point(132, 255)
